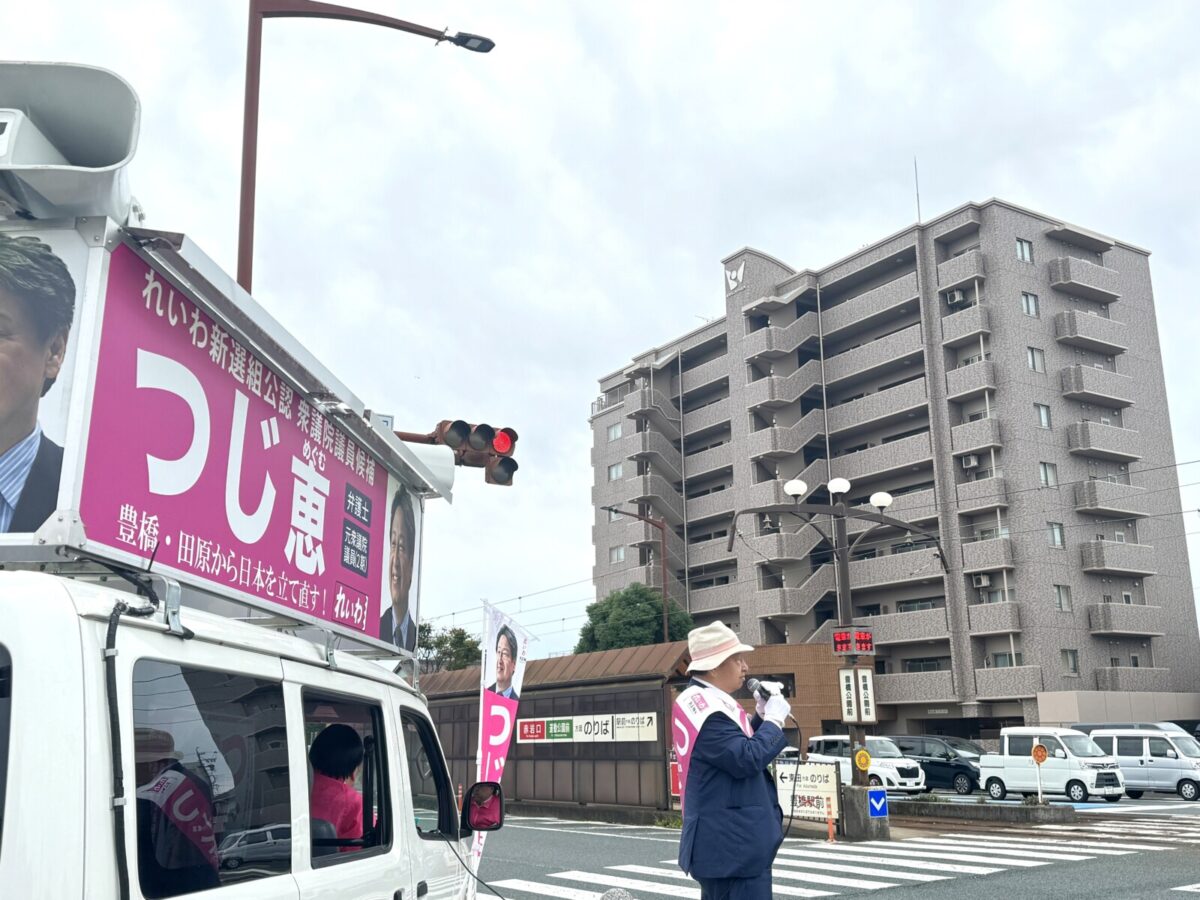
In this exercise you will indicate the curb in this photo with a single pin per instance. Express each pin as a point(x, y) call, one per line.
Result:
point(983, 812)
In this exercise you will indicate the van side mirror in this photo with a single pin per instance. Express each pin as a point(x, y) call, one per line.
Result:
point(1060, 754)
point(1171, 754)
point(483, 807)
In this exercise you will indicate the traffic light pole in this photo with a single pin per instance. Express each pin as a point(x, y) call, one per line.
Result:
point(661, 525)
point(845, 606)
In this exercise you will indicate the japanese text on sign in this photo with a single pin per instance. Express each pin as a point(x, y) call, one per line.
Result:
point(580, 729)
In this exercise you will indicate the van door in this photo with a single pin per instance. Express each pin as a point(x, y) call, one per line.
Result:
point(1018, 763)
point(1059, 767)
point(1162, 770)
point(346, 787)
point(1131, 757)
point(430, 823)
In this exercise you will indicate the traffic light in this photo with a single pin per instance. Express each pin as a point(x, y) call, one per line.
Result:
point(853, 642)
point(480, 446)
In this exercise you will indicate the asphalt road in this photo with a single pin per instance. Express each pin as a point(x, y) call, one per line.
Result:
point(1150, 853)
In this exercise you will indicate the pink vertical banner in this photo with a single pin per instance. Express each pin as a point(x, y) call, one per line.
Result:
point(201, 454)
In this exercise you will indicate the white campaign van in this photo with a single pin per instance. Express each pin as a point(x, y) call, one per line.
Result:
point(143, 760)
point(889, 767)
point(1074, 766)
point(1167, 761)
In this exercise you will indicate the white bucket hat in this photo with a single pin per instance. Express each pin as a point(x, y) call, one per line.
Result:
point(712, 645)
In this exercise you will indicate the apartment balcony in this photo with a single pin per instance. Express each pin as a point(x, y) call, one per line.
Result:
point(711, 505)
point(660, 494)
point(961, 270)
point(1126, 619)
point(706, 374)
point(971, 437)
point(1107, 498)
point(706, 417)
point(907, 628)
point(965, 326)
point(822, 634)
point(1081, 278)
point(870, 307)
point(1079, 237)
point(767, 493)
point(711, 599)
point(970, 381)
point(797, 601)
point(706, 553)
point(891, 403)
point(663, 456)
point(1104, 441)
point(1091, 385)
point(905, 345)
point(785, 294)
point(1011, 683)
point(786, 546)
point(987, 556)
point(883, 458)
point(781, 442)
point(915, 507)
point(782, 390)
point(1102, 557)
point(774, 341)
point(708, 461)
point(983, 495)
point(994, 618)
point(916, 687)
point(1078, 329)
point(895, 568)
point(1129, 678)
point(651, 403)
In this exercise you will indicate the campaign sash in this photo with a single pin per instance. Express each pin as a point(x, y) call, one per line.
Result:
point(186, 808)
point(691, 711)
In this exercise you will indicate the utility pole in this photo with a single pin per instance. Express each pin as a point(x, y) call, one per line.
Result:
point(661, 525)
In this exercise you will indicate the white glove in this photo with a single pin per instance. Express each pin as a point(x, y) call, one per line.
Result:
point(777, 709)
point(771, 687)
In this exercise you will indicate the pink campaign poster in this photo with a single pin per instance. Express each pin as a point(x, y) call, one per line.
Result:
point(197, 448)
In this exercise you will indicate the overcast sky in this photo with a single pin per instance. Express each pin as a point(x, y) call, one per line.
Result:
point(481, 237)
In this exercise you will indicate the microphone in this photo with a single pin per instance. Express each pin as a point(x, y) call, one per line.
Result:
point(755, 687)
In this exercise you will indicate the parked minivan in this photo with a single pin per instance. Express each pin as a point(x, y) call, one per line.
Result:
point(948, 762)
point(1075, 766)
point(1166, 761)
point(889, 767)
point(1089, 727)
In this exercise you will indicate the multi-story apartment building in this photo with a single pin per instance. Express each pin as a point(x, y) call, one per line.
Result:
point(998, 372)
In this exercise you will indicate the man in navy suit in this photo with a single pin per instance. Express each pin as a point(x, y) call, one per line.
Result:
point(37, 303)
point(732, 821)
point(398, 624)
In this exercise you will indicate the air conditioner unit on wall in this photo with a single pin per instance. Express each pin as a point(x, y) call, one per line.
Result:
point(981, 581)
point(970, 461)
point(956, 298)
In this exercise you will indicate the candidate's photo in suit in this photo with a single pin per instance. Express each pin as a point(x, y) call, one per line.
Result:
point(398, 624)
point(37, 303)
point(506, 664)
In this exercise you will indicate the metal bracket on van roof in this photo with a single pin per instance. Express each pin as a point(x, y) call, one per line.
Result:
point(330, 660)
point(171, 598)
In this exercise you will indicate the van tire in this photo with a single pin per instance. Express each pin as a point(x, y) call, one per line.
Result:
point(1188, 789)
point(232, 863)
point(963, 784)
point(874, 781)
point(1134, 795)
point(1113, 799)
point(996, 789)
point(1077, 792)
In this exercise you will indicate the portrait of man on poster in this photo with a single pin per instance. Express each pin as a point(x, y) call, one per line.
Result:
point(399, 624)
point(506, 664)
point(37, 304)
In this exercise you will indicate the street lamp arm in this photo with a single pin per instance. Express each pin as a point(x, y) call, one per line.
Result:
point(309, 9)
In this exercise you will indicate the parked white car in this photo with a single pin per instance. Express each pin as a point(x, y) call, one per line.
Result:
point(1166, 761)
point(889, 767)
point(1075, 765)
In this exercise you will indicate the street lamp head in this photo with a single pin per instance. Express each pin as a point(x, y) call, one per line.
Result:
point(476, 43)
point(796, 488)
point(881, 500)
point(839, 486)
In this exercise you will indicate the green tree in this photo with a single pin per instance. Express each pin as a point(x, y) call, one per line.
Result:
point(630, 617)
point(447, 648)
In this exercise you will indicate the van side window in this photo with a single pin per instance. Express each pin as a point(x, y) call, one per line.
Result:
point(1020, 744)
point(1159, 747)
point(1105, 743)
point(1051, 743)
point(347, 778)
point(432, 798)
point(211, 769)
point(5, 708)
point(1129, 746)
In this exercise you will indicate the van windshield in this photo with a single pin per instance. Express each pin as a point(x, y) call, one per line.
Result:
point(1081, 746)
point(963, 747)
point(882, 748)
point(1187, 745)
point(5, 707)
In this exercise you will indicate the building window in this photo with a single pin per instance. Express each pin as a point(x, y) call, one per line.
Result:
point(1036, 359)
point(1048, 474)
point(1114, 661)
point(1070, 661)
point(1057, 538)
point(1029, 304)
point(1024, 250)
point(1043, 414)
point(1006, 660)
point(614, 471)
point(614, 431)
point(1062, 597)
point(1127, 598)
point(616, 554)
point(1134, 661)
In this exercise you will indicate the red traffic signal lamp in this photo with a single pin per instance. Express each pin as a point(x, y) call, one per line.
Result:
point(480, 446)
point(853, 642)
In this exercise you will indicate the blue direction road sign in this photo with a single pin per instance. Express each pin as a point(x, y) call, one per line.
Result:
point(877, 801)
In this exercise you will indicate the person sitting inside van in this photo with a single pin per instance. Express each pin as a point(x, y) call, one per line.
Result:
point(336, 754)
point(485, 807)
